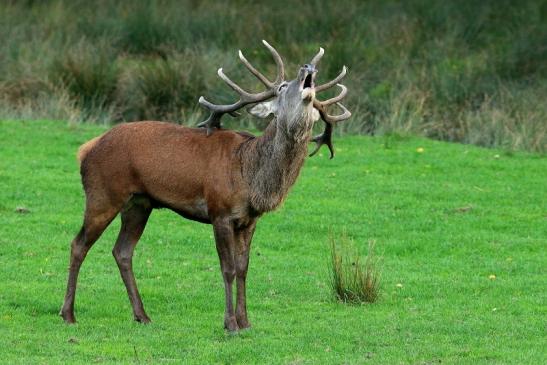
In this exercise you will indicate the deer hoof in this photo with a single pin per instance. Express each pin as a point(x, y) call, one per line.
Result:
point(230, 324)
point(142, 318)
point(67, 316)
point(243, 323)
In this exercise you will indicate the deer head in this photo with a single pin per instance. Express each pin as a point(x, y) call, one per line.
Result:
point(293, 103)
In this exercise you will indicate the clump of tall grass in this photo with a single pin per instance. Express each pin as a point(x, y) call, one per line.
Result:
point(352, 279)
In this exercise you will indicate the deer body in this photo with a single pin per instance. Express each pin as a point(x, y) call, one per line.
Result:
point(172, 165)
point(227, 179)
point(200, 177)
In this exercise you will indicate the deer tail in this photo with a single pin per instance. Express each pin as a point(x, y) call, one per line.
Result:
point(86, 147)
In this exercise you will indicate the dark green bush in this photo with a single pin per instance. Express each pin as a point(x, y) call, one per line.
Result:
point(89, 74)
point(161, 88)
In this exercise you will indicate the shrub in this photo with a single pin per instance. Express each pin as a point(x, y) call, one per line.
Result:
point(90, 75)
point(163, 88)
point(353, 280)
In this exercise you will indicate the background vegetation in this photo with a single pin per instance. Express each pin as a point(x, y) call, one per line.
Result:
point(469, 71)
point(461, 231)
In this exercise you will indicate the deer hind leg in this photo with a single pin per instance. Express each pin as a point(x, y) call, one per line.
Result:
point(134, 217)
point(224, 238)
point(243, 239)
point(98, 216)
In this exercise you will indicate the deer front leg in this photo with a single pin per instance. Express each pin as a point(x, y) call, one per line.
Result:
point(224, 238)
point(243, 248)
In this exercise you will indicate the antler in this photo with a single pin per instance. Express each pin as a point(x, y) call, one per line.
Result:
point(217, 111)
point(325, 138)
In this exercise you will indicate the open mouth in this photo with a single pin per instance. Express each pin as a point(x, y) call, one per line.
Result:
point(308, 81)
point(307, 85)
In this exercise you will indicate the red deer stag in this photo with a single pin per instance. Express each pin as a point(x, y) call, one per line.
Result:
point(215, 176)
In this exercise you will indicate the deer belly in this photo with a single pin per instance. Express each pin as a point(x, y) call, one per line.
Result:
point(195, 209)
point(189, 203)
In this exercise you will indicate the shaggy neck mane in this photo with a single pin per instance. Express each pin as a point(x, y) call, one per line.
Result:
point(271, 163)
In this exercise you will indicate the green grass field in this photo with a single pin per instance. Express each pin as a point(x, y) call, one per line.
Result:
point(446, 220)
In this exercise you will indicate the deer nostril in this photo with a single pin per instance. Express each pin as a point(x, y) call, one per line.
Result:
point(309, 67)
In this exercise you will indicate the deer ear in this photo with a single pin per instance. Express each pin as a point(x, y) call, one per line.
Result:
point(263, 110)
point(315, 115)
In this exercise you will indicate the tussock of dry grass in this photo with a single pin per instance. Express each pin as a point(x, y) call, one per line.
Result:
point(353, 280)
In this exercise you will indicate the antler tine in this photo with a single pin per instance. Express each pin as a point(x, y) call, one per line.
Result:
point(254, 71)
point(318, 56)
point(233, 85)
point(332, 82)
point(338, 97)
point(278, 61)
point(333, 118)
point(324, 139)
point(245, 98)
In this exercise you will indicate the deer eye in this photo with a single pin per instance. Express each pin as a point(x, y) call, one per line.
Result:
point(282, 86)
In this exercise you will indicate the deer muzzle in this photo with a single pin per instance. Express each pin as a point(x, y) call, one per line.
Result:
point(306, 76)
